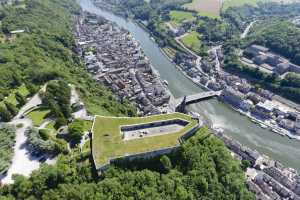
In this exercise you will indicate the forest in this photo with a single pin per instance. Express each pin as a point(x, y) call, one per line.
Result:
point(201, 169)
point(46, 51)
point(242, 15)
point(7, 141)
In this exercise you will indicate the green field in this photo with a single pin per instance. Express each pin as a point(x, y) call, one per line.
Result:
point(108, 143)
point(192, 41)
point(177, 17)
point(12, 97)
point(235, 3)
point(38, 116)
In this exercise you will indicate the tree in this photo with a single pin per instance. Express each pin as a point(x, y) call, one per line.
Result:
point(21, 99)
point(166, 162)
point(245, 164)
point(76, 130)
point(60, 121)
point(11, 108)
point(5, 114)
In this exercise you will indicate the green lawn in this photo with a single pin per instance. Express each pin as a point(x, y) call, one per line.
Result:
point(193, 41)
point(177, 17)
point(108, 143)
point(38, 116)
point(12, 97)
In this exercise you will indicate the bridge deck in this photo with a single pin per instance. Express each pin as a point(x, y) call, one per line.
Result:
point(198, 97)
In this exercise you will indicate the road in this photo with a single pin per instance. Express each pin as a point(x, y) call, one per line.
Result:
point(247, 29)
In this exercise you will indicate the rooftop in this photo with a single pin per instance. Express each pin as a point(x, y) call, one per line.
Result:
point(108, 142)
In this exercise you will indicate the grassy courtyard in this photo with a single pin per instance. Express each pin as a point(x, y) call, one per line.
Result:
point(38, 116)
point(108, 143)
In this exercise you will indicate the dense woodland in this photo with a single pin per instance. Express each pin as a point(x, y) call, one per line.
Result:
point(202, 169)
point(45, 52)
point(7, 141)
point(241, 16)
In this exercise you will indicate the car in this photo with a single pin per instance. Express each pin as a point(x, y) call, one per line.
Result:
point(42, 159)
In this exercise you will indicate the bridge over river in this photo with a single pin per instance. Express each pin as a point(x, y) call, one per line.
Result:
point(180, 103)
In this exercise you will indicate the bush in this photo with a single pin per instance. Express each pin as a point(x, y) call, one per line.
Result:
point(44, 134)
point(76, 129)
point(37, 143)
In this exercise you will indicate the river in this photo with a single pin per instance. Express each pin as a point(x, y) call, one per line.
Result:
point(235, 125)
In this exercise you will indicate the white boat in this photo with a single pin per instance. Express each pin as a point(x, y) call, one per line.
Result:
point(166, 82)
point(275, 130)
point(263, 126)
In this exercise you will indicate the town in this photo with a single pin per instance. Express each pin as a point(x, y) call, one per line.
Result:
point(270, 111)
point(267, 178)
point(115, 59)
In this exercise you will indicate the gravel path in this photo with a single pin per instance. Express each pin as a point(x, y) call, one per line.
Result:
point(22, 162)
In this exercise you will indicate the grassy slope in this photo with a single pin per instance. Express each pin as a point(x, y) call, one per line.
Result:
point(178, 17)
point(12, 97)
point(192, 41)
point(108, 143)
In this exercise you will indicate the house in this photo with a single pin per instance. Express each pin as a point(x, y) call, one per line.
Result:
point(287, 124)
point(297, 126)
point(263, 109)
point(246, 105)
point(260, 59)
point(255, 50)
point(274, 60)
point(282, 68)
point(232, 96)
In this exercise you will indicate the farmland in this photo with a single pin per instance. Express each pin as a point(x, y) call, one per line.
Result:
point(209, 8)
